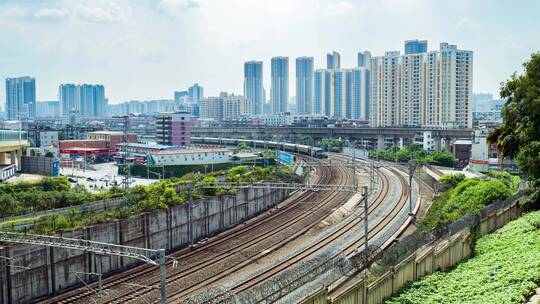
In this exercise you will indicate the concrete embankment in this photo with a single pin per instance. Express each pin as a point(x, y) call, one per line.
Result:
point(29, 272)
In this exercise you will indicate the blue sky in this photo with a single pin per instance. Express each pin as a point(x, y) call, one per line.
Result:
point(146, 49)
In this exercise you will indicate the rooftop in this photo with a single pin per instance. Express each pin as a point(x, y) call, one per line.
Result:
point(107, 132)
point(191, 151)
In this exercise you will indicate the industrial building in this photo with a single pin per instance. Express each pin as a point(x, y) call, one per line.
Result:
point(177, 155)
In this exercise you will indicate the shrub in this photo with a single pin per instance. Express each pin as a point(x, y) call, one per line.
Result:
point(452, 179)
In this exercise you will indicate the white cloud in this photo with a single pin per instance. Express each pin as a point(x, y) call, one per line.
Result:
point(342, 8)
point(37, 14)
point(104, 11)
point(174, 8)
point(51, 14)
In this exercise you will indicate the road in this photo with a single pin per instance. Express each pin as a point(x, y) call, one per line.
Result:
point(98, 172)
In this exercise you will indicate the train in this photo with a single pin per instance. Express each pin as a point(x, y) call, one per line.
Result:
point(289, 147)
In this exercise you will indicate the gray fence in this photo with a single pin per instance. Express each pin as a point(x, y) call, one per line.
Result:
point(418, 255)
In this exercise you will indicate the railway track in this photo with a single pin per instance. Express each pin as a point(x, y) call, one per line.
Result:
point(210, 254)
point(261, 277)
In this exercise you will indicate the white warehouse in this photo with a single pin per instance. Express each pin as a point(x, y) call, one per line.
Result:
point(195, 156)
point(177, 155)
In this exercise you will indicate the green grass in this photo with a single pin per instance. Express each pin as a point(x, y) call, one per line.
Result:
point(506, 269)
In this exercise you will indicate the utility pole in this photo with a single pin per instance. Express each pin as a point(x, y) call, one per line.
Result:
point(372, 176)
point(162, 277)
point(411, 172)
point(366, 207)
point(354, 167)
point(190, 216)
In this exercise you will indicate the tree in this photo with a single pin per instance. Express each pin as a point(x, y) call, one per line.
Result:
point(519, 135)
point(49, 154)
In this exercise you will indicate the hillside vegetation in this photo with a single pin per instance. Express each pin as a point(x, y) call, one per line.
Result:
point(506, 269)
point(469, 196)
point(417, 154)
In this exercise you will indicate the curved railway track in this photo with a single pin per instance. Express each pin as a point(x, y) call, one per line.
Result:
point(267, 274)
point(348, 250)
point(209, 254)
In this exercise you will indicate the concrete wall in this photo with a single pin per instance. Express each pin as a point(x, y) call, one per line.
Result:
point(30, 272)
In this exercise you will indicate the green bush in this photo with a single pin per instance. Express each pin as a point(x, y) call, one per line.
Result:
point(417, 154)
point(452, 179)
point(469, 196)
point(331, 144)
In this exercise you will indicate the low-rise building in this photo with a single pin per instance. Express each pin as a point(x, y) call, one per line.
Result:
point(225, 107)
point(177, 155)
point(111, 137)
point(173, 129)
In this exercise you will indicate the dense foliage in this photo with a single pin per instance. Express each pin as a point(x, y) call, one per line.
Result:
point(452, 179)
point(331, 144)
point(158, 195)
point(505, 269)
point(469, 196)
point(49, 193)
point(519, 135)
point(417, 154)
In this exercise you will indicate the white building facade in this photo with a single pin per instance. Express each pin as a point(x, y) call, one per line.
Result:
point(196, 156)
point(431, 89)
point(225, 107)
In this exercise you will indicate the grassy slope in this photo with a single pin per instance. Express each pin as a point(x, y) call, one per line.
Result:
point(506, 267)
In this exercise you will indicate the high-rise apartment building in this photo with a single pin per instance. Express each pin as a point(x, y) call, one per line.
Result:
point(385, 90)
point(360, 93)
point(48, 109)
point(304, 85)
point(364, 59)
point(253, 85)
point(67, 94)
point(342, 93)
point(180, 95)
point(20, 98)
point(279, 90)
point(225, 107)
point(415, 46)
point(195, 93)
point(422, 88)
point(85, 100)
point(173, 129)
point(333, 60)
point(323, 92)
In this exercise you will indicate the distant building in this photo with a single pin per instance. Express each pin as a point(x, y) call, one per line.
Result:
point(342, 93)
point(304, 85)
point(430, 89)
point(173, 129)
point(253, 85)
point(333, 60)
point(415, 46)
point(279, 91)
point(47, 138)
point(225, 107)
point(180, 95)
point(85, 100)
point(68, 100)
point(20, 98)
point(195, 93)
point(112, 137)
point(48, 109)
point(364, 59)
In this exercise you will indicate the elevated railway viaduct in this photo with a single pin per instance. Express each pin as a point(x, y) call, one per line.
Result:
point(366, 138)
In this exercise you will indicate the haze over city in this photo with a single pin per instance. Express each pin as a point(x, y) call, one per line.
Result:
point(148, 49)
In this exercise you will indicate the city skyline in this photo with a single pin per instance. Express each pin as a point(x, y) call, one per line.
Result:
point(141, 66)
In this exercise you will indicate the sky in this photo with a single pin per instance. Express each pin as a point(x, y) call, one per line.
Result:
point(147, 49)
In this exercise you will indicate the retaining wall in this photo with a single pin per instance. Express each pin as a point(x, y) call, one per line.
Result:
point(439, 256)
point(29, 272)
